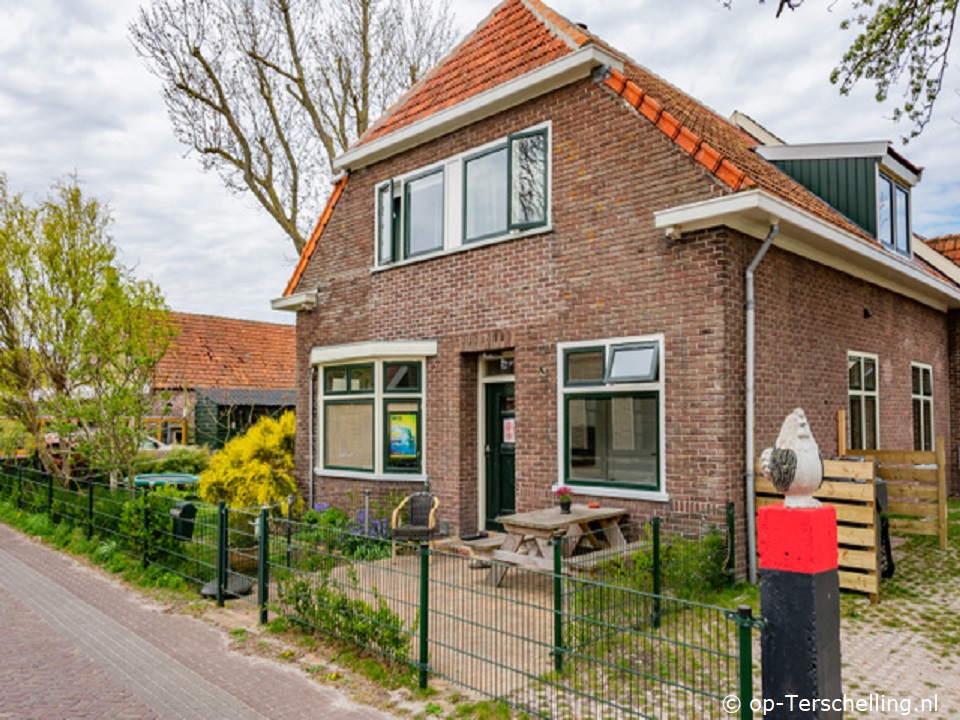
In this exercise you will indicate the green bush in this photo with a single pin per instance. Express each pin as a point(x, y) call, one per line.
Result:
point(189, 459)
point(255, 469)
point(158, 536)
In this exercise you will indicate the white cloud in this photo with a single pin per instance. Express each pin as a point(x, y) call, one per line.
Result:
point(75, 97)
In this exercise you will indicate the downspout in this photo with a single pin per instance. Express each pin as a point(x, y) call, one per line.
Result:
point(751, 391)
point(313, 381)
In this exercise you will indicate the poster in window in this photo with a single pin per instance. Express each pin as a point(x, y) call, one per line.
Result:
point(509, 430)
point(403, 436)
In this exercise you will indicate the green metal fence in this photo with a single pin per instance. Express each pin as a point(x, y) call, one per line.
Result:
point(561, 644)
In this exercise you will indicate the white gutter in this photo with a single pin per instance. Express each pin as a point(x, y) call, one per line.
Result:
point(568, 69)
point(751, 391)
point(807, 235)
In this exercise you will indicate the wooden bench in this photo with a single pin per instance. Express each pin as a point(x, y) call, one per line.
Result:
point(482, 548)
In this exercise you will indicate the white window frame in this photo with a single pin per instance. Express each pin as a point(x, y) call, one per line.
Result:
point(658, 386)
point(922, 398)
point(378, 355)
point(453, 203)
point(863, 393)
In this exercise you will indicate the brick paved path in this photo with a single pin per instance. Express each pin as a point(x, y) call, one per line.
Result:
point(74, 644)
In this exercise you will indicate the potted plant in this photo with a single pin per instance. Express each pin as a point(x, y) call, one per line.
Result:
point(565, 496)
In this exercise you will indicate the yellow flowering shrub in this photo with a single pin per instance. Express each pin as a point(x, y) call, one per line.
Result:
point(254, 469)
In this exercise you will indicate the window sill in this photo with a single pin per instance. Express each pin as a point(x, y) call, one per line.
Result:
point(463, 248)
point(361, 475)
point(619, 492)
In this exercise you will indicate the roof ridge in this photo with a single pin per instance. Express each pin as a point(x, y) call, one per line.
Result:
point(318, 229)
point(409, 92)
point(689, 141)
point(562, 27)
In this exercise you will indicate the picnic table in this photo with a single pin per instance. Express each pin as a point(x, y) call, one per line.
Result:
point(528, 536)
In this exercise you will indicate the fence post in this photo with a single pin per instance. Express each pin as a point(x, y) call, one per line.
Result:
point(289, 528)
point(146, 527)
point(558, 648)
point(731, 568)
point(424, 613)
point(19, 488)
point(656, 573)
point(50, 495)
point(263, 566)
point(222, 519)
point(745, 624)
point(90, 483)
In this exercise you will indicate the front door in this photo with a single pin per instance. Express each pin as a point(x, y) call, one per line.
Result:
point(499, 448)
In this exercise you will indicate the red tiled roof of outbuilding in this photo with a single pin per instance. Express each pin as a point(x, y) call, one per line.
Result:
point(219, 352)
point(947, 245)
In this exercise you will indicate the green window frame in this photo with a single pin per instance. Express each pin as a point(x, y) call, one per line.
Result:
point(527, 191)
point(372, 414)
point(921, 396)
point(612, 421)
point(336, 437)
point(423, 218)
point(388, 223)
point(402, 435)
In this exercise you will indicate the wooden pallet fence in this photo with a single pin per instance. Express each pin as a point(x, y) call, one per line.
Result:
point(916, 489)
point(850, 488)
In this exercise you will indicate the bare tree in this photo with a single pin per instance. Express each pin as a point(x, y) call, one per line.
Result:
point(268, 92)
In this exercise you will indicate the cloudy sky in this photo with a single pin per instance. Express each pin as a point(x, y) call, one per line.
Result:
point(74, 97)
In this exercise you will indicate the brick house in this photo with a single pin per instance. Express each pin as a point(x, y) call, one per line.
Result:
point(534, 269)
point(220, 375)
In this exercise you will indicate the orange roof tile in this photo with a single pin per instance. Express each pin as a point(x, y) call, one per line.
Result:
point(947, 245)
point(511, 42)
point(218, 352)
point(318, 229)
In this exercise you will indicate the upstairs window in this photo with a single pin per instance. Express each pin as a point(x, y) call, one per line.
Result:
point(493, 192)
point(893, 214)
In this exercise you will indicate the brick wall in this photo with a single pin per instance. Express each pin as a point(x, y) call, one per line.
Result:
point(604, 271)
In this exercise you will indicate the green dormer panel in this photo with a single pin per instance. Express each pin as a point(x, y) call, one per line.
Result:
point(848, 184)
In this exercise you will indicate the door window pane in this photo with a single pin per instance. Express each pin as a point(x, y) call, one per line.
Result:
point(528, 180)
point(424, 209)
point(485, 195)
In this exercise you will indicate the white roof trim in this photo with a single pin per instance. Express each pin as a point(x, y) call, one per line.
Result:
point(879, 149)
point(295, 303)
point(373, 350)
point(936, 259)
point(570, 68)
point(802, 233)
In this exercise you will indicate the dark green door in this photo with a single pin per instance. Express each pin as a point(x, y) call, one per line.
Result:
point(500, 444)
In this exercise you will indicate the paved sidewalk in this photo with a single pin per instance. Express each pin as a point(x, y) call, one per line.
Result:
point(74, 644)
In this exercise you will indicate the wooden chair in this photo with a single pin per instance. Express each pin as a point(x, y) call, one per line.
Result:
point(421, 519)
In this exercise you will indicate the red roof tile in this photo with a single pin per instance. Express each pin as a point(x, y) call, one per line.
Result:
point(947, 245)
point(318, 229)
point(217, 352)
point(512, 41)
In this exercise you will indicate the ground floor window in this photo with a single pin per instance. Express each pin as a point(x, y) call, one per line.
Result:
point(371, 416)
point(922, 395)
point(611, 412)
point(863, 397)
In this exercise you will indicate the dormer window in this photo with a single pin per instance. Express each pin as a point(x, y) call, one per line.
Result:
point(893, 214)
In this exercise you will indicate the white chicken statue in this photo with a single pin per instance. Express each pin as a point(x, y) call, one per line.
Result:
point(793, 464)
